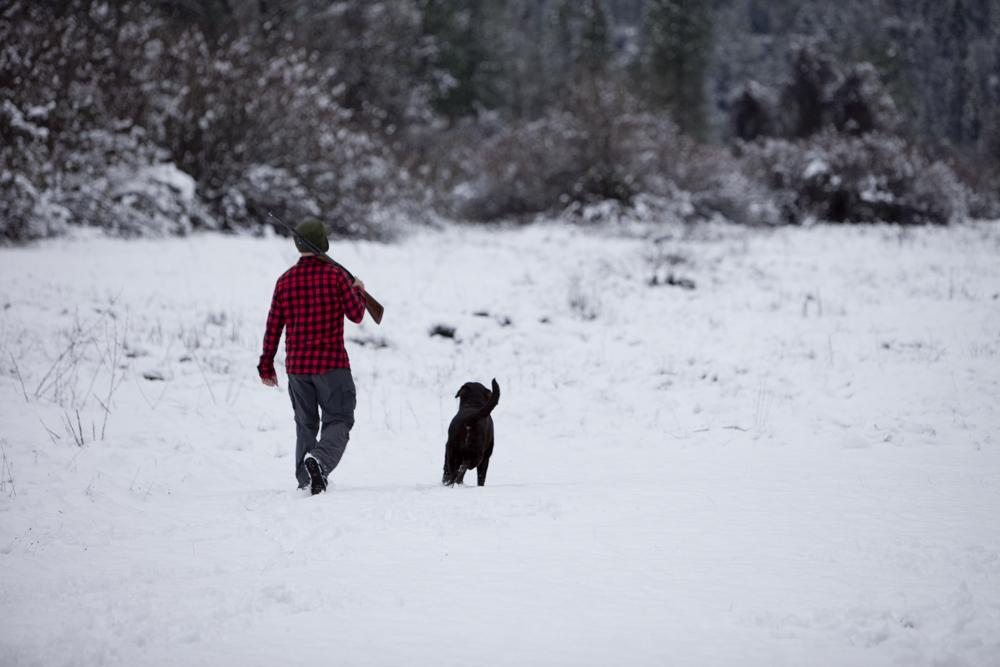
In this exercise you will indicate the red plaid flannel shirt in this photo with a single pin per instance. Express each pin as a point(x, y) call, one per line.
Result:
point(310, 302)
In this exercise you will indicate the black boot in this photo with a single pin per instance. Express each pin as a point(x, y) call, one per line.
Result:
point(318, 483)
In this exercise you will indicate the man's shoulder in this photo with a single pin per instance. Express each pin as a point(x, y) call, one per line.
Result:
point(311, 268)
point(326, 269)
point(289, 273)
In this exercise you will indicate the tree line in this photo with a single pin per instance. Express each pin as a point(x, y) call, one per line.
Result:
point(163, 116)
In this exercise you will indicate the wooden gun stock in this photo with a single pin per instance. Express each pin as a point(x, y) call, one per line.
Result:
point(374, 308)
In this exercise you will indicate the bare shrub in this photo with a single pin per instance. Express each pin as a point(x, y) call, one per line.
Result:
point(26, 212)
point(7, 483)
point(584, 301)
point(599, 145)
point(720, 187)
point(93, 350)
point(75, 428)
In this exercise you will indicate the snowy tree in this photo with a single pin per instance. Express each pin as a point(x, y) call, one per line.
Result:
point(676, 44)
point(461, 61)
point(582, 34)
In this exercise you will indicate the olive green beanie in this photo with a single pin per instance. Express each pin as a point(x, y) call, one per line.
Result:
point(314, 232)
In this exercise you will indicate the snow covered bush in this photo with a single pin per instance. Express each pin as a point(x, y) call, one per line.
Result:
point(717, 186)
point(262, 188)
point(841, 178)
point(101, 100)
point(600, 145)
point(643, 209)
point(74, 153)
point(25, 153)
point(108, 178)
point(26, 213)
point(522, 168)
point(827, 149)
point(735, 197)
point(291, 143)
point(156, 199)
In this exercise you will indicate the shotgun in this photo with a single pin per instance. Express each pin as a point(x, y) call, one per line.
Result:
point(373, 307)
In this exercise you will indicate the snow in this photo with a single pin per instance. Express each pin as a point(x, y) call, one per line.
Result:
point(150, 181)
point(816, 167)
point(18, 122)
point(169, 175)
point(794, 463)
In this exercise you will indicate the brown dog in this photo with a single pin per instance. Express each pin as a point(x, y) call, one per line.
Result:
point(470, 434)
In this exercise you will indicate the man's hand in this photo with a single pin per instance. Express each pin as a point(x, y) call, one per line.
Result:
point(358, 284)
point(270, 382)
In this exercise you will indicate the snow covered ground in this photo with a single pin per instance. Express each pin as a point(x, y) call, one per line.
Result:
point(795, 463)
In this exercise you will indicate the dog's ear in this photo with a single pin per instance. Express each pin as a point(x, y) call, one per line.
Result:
point(495, 394)
point(461, 389)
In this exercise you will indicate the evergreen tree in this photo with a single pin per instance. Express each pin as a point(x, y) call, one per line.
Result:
point(582, 35)
point(461, 60)
point(676, 42)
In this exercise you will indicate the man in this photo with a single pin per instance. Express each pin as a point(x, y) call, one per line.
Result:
point(310, 302)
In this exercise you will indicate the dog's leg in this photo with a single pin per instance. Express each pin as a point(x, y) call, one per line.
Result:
point(460, 475)
point(448, 479)
point(485, 464)
point(481, 471)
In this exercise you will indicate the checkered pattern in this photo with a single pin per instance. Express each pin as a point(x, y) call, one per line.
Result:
point(310, 302)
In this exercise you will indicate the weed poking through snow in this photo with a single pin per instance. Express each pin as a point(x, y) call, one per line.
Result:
point(583, 303)
point(6, 472)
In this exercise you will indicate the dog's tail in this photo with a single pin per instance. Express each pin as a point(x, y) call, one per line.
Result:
point(485, 411)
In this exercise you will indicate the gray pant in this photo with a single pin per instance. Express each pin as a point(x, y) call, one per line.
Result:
point(334, 393)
